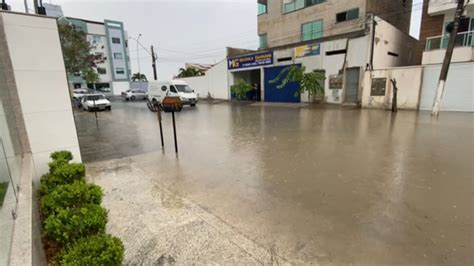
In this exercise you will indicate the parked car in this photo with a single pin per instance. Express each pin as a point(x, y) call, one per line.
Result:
point(92, 102)
point(134, 94)
point(161, 89)
point(78, 93)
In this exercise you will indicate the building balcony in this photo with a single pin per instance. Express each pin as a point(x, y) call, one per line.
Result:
point(435, 48)
point(438, 7)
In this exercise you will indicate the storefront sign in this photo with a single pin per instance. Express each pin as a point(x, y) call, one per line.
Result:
point(335, 82)
point(308, 50)
point(251, 61)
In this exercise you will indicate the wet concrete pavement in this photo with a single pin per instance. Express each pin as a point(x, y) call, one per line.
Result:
point(324, 186)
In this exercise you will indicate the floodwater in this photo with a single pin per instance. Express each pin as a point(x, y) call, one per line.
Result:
point(328, 185)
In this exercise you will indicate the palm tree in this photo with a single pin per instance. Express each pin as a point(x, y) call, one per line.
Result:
point(190, 72)
point(139, 77)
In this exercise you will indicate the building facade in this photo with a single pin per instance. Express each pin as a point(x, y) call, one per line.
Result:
point(340, 39)
point(32, 95)
point(284, 22)
point(110, 41)
point(436, 19)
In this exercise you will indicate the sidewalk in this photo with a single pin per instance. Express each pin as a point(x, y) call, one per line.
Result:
point(159, 227)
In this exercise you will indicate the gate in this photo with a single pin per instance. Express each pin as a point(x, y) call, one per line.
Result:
point(287, 94)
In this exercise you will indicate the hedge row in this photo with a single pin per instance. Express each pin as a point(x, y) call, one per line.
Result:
point(73, 220)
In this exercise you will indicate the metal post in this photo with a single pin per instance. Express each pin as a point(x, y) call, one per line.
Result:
point(95, 112)
point(153, 57)
point(161, 127)
point(138, 58)
point(174, 131)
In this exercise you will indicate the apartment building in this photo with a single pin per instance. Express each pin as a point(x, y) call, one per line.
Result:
point(437, 18)
point(291, 21)
point(340, 39)
point(110, 41)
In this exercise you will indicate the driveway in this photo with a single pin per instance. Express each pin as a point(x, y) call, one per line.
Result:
point(267, 184)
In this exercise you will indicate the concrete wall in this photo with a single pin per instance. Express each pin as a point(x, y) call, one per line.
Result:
point(459, 91)
point(443, 6)
point(409, 87)
point(215, 82)
point(120, 86)
point(389, 39)
point(42, 87)
point(284, 29)
point(460, 54)
point(396, 12)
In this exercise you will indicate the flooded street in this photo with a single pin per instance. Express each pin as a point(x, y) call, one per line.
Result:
point(328, 186)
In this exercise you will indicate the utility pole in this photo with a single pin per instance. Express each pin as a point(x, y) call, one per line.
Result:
point(153, 64)
point(26, 7)
point(138, 57)
point(447, 58)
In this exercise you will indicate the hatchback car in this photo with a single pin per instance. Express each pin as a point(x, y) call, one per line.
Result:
point(92, 102)
point(134, 94)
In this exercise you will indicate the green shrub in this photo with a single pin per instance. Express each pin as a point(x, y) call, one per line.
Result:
point(66, 226)
point(99, 249)
point(73, 195)
point(240, 89)
point(61, 156)
point(61, 174)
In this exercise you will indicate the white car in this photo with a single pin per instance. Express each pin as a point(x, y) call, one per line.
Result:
point(77, 94)
point(134, 94)
point(159, 90)
point(95, 102)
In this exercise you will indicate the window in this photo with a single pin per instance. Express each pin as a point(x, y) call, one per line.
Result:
point(97, 39)
point(347, 15)
point(293, 5)
point(173, 89)
point(263, 40)
point(120, 71)
point(312, 30)
point(116, 40)
point(262, 7)
point(314, 2)
point(118, 56)
point(101, 70)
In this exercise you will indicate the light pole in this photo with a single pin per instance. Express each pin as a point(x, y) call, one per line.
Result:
point(138, 57)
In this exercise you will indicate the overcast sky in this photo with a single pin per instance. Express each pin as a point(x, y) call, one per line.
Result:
point(181, 30)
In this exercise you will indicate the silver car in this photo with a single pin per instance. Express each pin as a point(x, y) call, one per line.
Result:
point(134, 94)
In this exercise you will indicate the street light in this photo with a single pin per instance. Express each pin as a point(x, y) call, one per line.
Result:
point(138, 57)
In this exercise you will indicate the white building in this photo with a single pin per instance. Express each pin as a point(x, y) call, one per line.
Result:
point(109, 40)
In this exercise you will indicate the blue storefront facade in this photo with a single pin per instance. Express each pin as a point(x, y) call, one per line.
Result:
point(259, 70)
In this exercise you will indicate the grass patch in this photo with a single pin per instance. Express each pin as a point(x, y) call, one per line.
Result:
point(3, 191)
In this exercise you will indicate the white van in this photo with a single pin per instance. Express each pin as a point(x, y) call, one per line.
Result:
point(160, 89)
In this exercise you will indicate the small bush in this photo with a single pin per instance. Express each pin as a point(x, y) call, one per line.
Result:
point(62, 156)
point(73, 195)
point(99, 249)
point(69, 225)
point(61, 174)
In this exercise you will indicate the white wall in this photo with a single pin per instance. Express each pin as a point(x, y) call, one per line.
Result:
point(409, 87)
point(459, 91)
point(42, 86)
point(120, 86)
point(390, 39)
point(215, 82)
point(460, 54)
